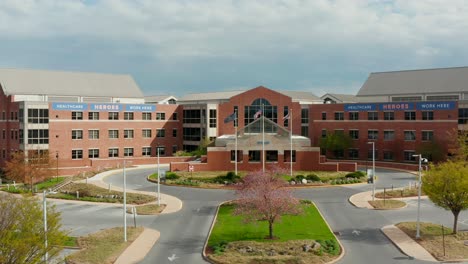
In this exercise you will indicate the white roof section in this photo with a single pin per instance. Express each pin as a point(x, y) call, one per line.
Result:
point(296, 96)
point(159, 99)
point(443, 80)
point(45, 82)
point(340, 98)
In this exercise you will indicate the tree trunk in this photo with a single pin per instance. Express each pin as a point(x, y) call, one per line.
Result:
point(271, 229)
point(455, 221)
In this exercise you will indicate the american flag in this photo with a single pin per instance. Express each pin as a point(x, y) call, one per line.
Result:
point(258, 114)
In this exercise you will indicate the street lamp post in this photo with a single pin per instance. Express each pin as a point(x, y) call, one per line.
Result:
point(159, 178)
point(125, 201)
point(373, 169)
point(420, 159)
point(44, 208)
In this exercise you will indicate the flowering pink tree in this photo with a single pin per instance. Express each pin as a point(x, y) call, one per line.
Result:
point(264, 196)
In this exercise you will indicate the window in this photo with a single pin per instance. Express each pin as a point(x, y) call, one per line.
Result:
point(77, 154)
point(372, 134)
point(353, 153)
point(354, 134)
point(369, 154)
point(212, 118)
point(160, 116)
point(324, 115)
point(372, 116)
point(254, 155)
point(93, 134)
point(174, 149)
point(174, 116)
point(191, 134)
point(389, 135)
point(128, 133)
point(113, 133)
point(77, 134)
point(146, 151)
point(37, 116)
point(408, 155)
point(427, 135)
point(93, 115)
point(77, 115)
point(324, 133)
point(410, 115)
point(93, 153)
point(161, 150)
point(285, 118)
point(271, 155)
point(146, 116)
point(128, 115)
point(160, 133)
point(304, 116)
point(388, 155)
point(305, 131)
point(174, 132)
point(113, 152)
point(407, 99)
point(442, 98)
point(128, 152)
point(463, 115)
point(38, 136)
point(339, 116)
point(192, 116)
point(113, 115)
point(353, 115)
point(410, 135)
point(146, 133)
point(389, 115)
point(287, 156)
point(427, 115)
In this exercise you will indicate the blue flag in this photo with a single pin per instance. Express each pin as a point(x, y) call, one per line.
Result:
point(230, 118)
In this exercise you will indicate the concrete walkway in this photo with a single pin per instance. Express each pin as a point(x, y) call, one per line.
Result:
point(405, 243)
point(137, 251)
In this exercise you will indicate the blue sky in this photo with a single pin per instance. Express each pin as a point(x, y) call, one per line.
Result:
point(188, 46)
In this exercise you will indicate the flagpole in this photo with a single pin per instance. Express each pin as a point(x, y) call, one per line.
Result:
point(235, 153)
point(263, 137)
point(290, 138)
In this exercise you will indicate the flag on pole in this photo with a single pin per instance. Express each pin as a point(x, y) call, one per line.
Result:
point(286, 116)
point(258, 114)
point(230, 118)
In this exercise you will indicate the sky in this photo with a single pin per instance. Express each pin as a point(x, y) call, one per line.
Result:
point(176, 47)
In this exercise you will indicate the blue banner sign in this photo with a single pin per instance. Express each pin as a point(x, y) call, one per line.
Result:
point(70, 106)
point(140, 108)
point(105, 107)
point(360, 107)
point(396, 106)
point(435, 106)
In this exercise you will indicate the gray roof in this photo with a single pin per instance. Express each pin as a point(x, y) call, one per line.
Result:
point(442, 80)
point(302, 96)
point(343, 98)
point(158, 98)
point(44, 82)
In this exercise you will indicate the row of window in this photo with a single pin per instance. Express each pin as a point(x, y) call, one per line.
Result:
point(126, 116)
point(270, 156)
point(409, 115)
point(388, 135)
point(95, 153)
point(387, 155)
point(127, 133)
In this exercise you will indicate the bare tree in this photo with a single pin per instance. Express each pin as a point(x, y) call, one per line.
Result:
point(264, 196)
point(36, 166)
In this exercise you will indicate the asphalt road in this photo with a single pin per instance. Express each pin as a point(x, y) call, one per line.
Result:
point(184, 233)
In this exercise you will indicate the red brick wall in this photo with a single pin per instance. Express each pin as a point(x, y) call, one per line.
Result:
point(10, 142)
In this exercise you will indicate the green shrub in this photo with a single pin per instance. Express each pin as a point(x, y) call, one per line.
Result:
point(187, 182)
point(356, 174)
point(220, 247)
point(299, 178)
point(171, 176)
point(313, 177)
point(330, 246)
point(305, 201)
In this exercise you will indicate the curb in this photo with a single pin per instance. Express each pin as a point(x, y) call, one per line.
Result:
point(140, 247)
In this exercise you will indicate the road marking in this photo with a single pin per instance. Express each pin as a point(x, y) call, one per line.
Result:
point(172, 258)
point(356, 232)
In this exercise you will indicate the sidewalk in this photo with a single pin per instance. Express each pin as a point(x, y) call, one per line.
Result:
point(401, 240)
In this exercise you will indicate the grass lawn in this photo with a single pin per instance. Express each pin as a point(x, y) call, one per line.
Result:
point(432, 240)
point(399, 193)
point(291, 233)
point(49, 183)
point(92, 193)
point(104, 246)
point(387, 204)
